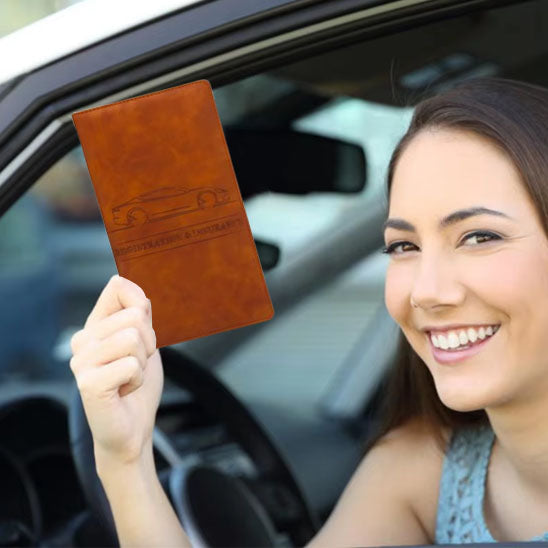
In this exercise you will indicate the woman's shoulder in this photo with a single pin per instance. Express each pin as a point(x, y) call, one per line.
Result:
point(412, 457)
point(392, 496)
point(416, 442)
point(413, 431)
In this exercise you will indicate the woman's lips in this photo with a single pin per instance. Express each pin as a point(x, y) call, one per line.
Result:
point(454, 356)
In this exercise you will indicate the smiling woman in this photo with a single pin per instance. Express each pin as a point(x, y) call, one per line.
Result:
point(466, 283)
point(467, 236)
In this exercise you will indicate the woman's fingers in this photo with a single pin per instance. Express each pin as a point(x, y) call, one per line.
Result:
point(103, 382)
point(119, 293)
point(126, 342)
point(111, 352)
point(115, 355)
point(128, 317)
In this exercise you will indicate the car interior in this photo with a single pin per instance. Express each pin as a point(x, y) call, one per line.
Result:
point(272, 417)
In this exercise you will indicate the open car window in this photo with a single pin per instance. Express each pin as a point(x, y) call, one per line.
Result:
point(56, 256)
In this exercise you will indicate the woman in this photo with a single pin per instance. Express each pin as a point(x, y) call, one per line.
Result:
point(463, 455)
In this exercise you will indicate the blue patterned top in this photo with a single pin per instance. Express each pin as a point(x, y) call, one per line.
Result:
point(462, 488)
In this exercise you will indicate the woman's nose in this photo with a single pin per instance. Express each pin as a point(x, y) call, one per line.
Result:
point(436, 283)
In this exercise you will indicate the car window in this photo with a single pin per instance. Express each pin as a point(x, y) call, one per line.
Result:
point(56, 257)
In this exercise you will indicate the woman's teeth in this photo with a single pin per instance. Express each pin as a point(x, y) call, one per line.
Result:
point(460, 338)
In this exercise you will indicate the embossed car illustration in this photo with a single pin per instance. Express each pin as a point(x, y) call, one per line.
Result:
point(166, 202)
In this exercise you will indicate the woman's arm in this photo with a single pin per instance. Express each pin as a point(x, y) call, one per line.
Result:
point(142, 512)
point(391, 498)
point(119, 374)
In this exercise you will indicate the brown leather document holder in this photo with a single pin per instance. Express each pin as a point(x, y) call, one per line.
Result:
point(173, 211)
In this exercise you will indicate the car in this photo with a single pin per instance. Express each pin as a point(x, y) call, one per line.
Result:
point(313, 96)
point(152, 206)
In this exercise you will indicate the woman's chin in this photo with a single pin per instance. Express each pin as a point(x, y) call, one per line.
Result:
point(465, 398)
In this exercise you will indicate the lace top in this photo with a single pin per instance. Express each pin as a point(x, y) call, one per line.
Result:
point(462, 488)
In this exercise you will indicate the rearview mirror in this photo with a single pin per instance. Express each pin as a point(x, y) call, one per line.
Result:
point(283, 160)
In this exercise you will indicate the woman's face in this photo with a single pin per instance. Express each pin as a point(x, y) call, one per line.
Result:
point(468, 250)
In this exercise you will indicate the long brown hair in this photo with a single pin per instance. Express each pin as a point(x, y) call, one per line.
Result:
point(513, 115)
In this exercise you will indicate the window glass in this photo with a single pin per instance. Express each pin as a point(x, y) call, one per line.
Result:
point(56, 257)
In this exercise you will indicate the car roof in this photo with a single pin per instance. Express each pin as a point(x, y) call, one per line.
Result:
point(75, 28)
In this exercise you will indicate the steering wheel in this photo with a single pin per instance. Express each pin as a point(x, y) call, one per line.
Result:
point(215, 508)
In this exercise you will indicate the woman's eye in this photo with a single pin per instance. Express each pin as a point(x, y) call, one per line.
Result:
point(475, 238)
point(398, 248)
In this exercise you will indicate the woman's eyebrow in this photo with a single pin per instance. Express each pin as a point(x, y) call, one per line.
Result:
point(452, 218)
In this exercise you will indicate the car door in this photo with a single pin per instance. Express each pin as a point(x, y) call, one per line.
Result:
point(347, 70)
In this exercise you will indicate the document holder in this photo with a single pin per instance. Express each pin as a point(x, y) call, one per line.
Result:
point(173, 211)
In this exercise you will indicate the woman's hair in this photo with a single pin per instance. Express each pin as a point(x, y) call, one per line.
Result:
point(513, 115)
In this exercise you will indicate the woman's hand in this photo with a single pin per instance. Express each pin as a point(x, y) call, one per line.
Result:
point(119, 372)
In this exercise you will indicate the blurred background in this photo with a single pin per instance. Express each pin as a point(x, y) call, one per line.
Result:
point(15, 14)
